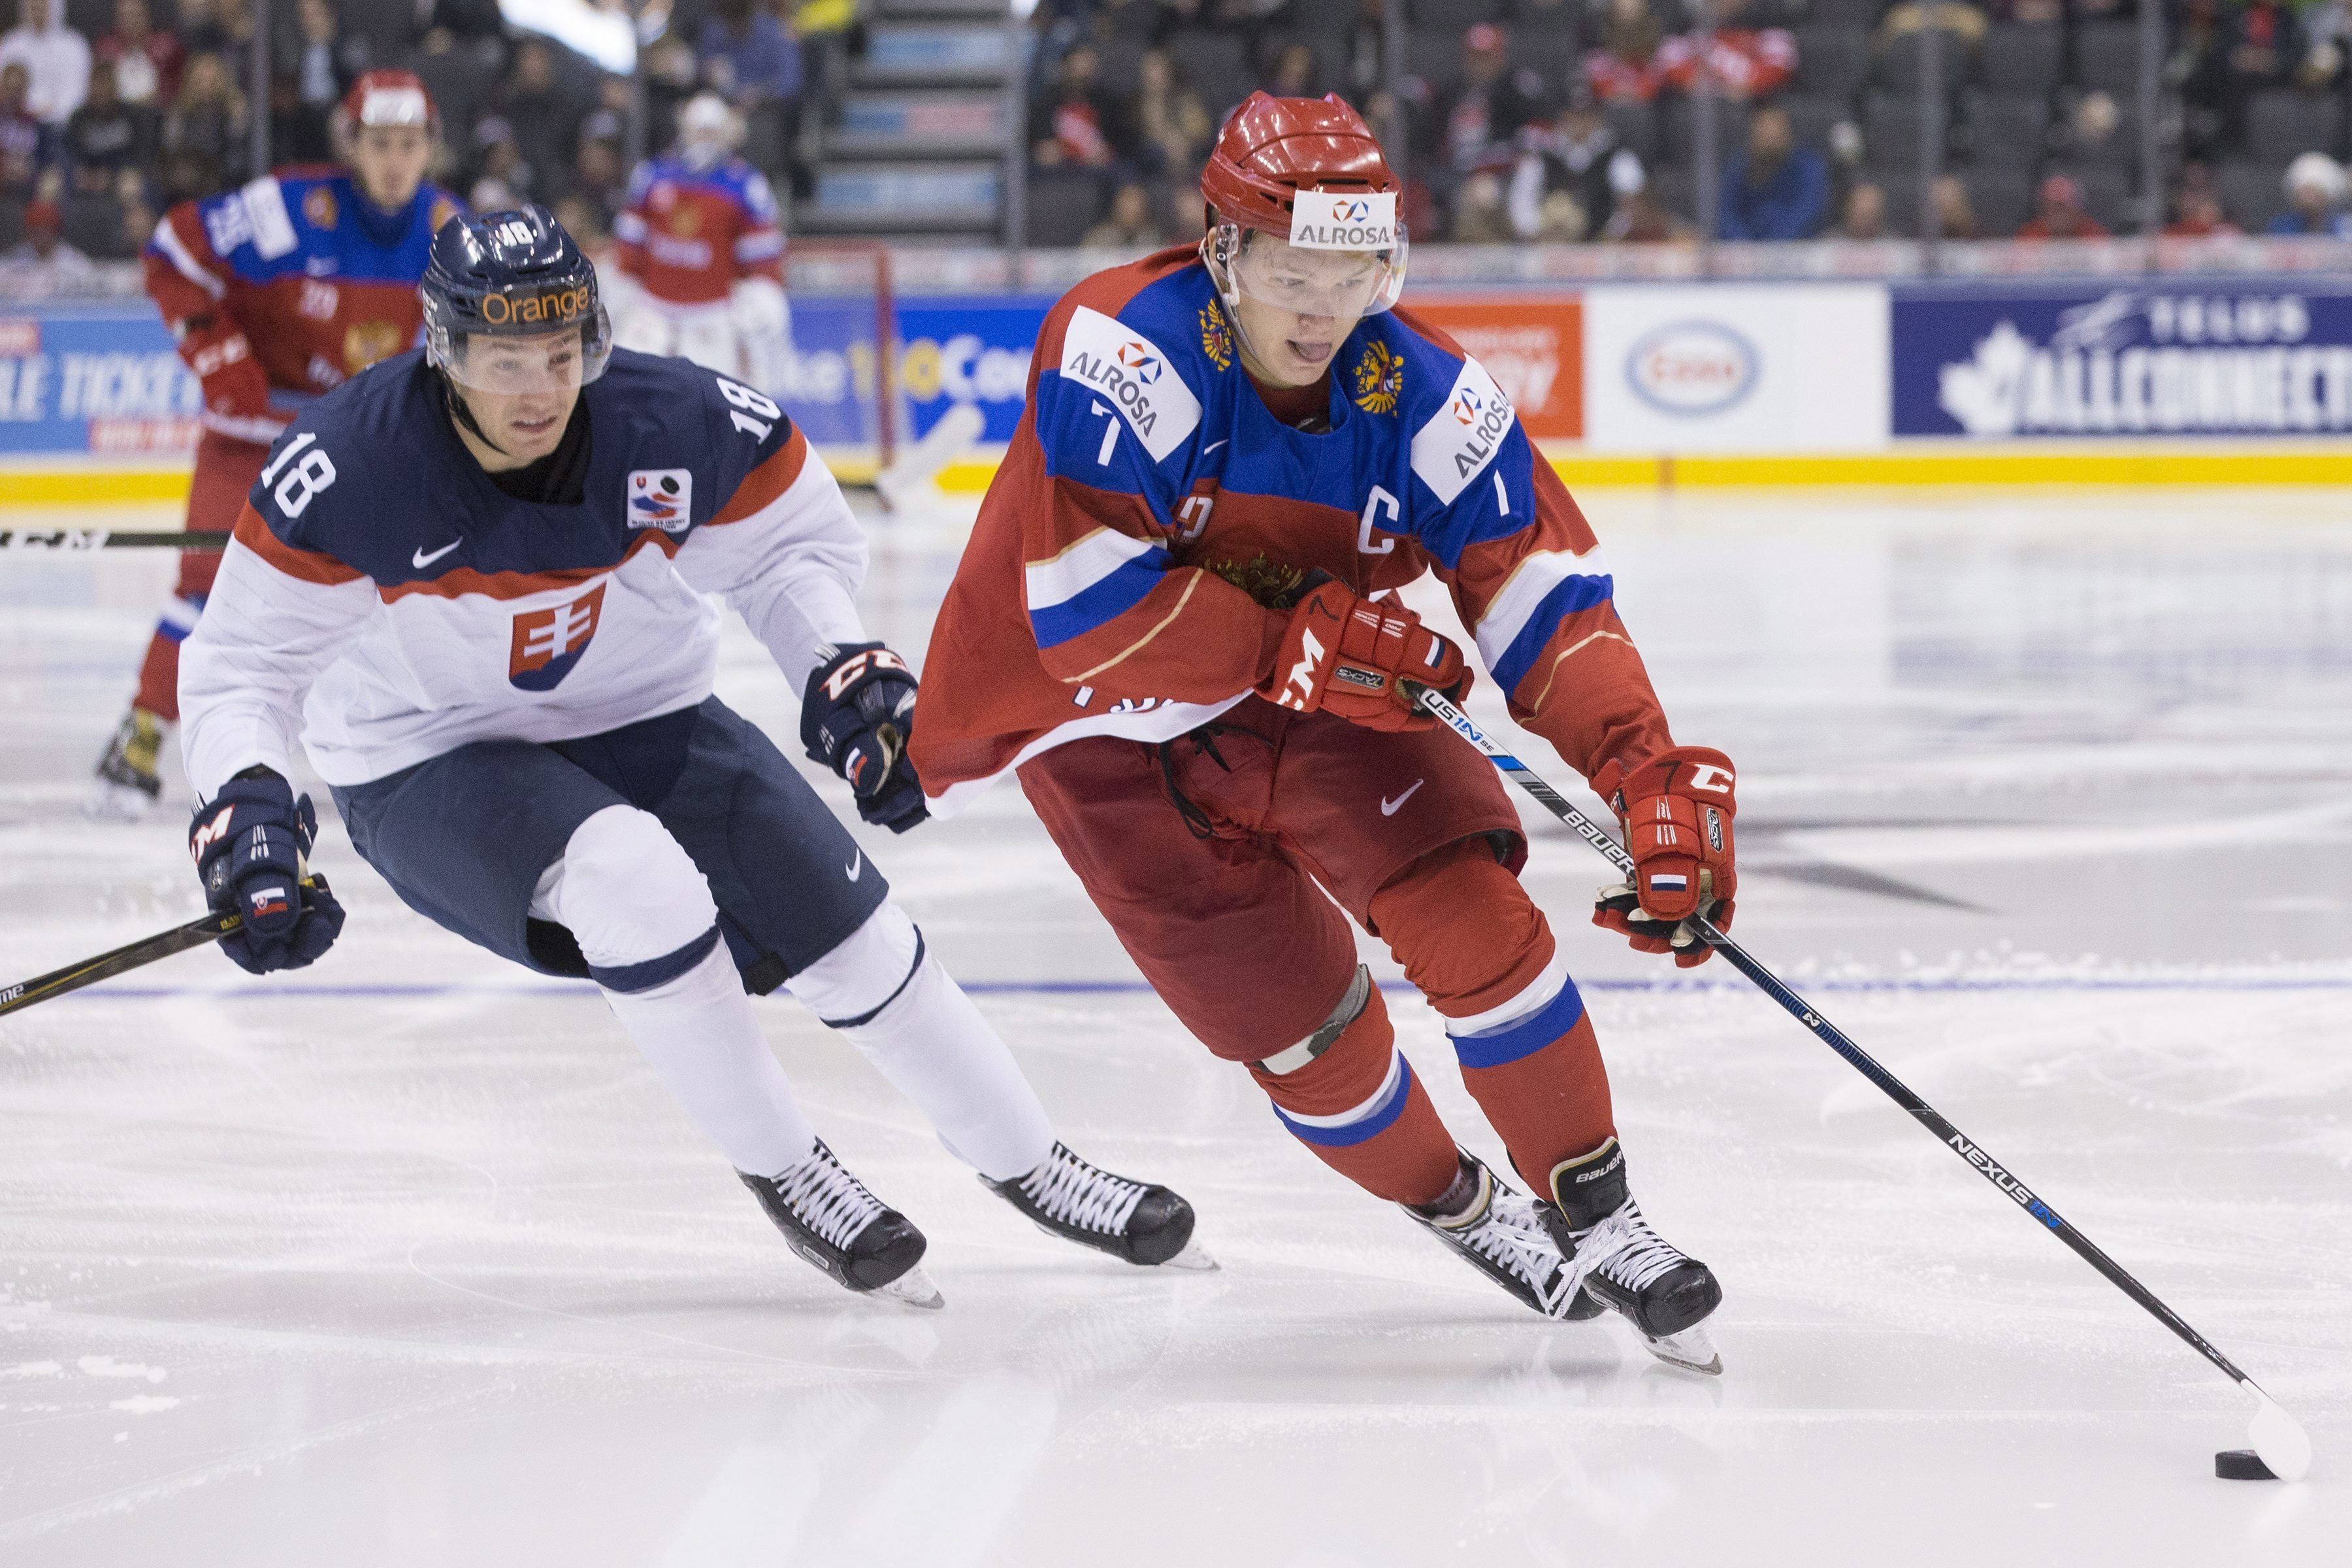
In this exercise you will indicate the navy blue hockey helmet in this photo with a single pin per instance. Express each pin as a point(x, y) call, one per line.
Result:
point(513, 274)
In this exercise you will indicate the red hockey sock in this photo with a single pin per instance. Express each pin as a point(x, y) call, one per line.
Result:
point(1477, 947)
point(1358, 1107)
point(159, 674)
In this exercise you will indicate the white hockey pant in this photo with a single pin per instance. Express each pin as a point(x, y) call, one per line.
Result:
point(643, 915)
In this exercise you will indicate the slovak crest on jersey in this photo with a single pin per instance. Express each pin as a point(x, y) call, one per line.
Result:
point(548, 644)
point(1455, 444)
point(1134, 374)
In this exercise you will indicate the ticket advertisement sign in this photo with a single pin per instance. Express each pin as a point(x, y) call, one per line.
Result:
point(1735, 368)
point(1532, 344)
point(968, 348)
point(2175, 358)
point(94, 378)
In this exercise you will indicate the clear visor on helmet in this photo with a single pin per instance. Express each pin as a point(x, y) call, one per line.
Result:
point(1311, 281)
point(520, 364)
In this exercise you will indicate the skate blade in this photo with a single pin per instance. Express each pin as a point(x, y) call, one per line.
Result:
point(111, 802)
point(1195, 1258)
point(912, 1288)
point(1693, 1350)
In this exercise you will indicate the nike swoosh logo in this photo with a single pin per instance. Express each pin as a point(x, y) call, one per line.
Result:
point(421, 560)
point(1214, 445)
point(857, 864)
point(1389, 807)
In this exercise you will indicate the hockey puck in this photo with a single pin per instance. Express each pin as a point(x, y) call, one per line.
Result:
point(2242, 1465)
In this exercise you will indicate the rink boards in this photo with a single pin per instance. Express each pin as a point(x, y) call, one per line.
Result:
point(2199, 381)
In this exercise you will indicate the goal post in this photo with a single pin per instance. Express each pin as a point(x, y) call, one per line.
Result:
point(840, 380)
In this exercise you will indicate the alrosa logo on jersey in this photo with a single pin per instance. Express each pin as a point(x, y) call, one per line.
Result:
point(1132, 371)
point(661, 497)
point(1140, 362)
point(547, 643)
point(1462, 437)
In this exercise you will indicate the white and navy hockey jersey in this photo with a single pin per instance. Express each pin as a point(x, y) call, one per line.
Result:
point(385, 601)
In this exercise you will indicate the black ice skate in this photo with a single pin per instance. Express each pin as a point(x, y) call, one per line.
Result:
point(829, 1218)
point(1078, 1202)
point(1626, 1267)
point(1500, 1232)
point(129, 776)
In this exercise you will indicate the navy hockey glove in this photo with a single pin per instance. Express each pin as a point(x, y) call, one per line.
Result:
point(856, 718)
point(252, 845)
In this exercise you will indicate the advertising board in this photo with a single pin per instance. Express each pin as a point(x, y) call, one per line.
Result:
point(2194, 358)
point(1735, 368)
point(1532, 344)
point(94, 379)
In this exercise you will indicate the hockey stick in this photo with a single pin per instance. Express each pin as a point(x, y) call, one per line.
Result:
point(2277, 1437)
point(78, 539)
point(211, 927)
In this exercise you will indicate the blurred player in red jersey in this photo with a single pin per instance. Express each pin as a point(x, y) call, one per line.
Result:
point(1175, 622)
point(701, 256)
point(278, 291)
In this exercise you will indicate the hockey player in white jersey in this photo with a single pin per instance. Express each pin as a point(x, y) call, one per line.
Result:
point(472, 580)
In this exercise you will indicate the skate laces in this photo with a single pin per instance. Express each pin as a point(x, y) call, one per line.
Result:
point(1069, 1190)
point(826, 1198)
point(1625, 1247)
point(1512, 1236)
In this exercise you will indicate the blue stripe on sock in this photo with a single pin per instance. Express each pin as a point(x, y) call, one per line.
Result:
point(652, 971)
point(1384, 1116)
point(1526, 1037)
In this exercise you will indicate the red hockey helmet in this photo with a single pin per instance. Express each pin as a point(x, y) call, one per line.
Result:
point(387, 97)
point(1308, 172)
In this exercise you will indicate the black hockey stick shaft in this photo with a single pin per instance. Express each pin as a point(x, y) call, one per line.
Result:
point(133, 956)
point(1829, 1034)
point(78, 539)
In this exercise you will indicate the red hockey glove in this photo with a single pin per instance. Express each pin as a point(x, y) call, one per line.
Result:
point(1345, 654)
point(1676, 809)
point(235, 390)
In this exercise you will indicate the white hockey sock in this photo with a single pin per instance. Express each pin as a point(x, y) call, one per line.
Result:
point(922, 1033)
point(698, 1033)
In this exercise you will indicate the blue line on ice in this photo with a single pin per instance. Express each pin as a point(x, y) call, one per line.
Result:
point(1138, 988)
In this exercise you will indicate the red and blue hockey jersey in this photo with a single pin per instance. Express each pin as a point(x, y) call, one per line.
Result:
point(1150, 504)
point(296, 273)
point(688, 233)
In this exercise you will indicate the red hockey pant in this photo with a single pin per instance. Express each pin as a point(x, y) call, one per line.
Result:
point(226, 472)
point(1205, 854)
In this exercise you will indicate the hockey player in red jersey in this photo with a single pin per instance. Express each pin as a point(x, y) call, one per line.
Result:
point(701, 254)
point(1172, 622)
point(278, 291)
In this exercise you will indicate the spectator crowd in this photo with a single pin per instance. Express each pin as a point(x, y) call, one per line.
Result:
point(111, 110)
point(1517, 120)
point(1581, 120)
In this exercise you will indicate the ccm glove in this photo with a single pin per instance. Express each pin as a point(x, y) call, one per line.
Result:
point(252, 847)
point(856, 718)
point(1348, 655)
point(1676, 809)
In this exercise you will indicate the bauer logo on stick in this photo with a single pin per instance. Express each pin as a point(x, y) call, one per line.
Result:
point(1357, 220)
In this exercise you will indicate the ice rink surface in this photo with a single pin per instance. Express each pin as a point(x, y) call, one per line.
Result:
point(406, 1260)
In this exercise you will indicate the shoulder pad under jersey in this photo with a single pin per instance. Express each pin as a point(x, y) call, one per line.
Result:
point(1458, 417)
point(1148, 351)
point(672, 413)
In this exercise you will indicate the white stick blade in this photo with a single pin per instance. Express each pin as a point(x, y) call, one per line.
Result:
point(2280, 1439)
